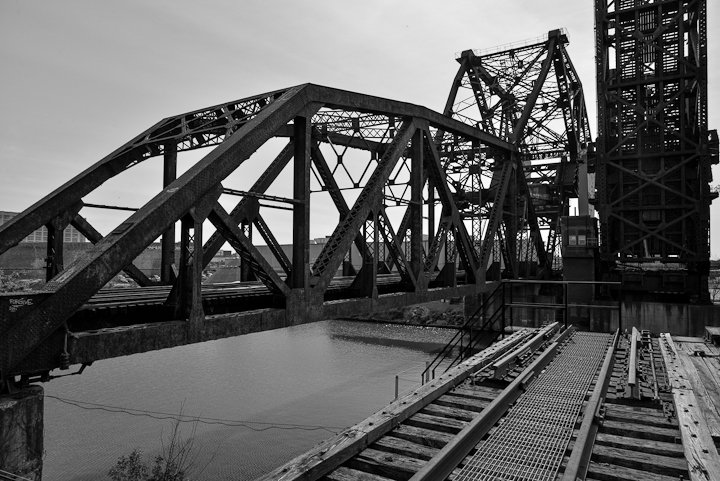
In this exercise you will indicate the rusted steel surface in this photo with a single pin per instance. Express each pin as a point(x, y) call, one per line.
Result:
point(415, 157)
point(654, 148)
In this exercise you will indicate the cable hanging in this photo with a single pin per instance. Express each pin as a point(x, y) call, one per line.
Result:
point(183, 418)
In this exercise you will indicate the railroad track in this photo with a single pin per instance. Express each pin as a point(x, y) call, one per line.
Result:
point(542, 405)
point(638, 435)
point(432, 429)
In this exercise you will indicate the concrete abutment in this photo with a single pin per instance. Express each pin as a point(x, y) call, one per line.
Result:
point(21, 433)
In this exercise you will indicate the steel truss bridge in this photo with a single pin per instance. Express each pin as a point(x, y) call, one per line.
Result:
point(486, 182)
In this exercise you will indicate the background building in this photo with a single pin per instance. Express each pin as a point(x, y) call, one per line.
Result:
point(40, 235)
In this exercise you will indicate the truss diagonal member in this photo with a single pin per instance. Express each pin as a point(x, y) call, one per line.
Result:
point(192, 130)
point(495, 217)
point(533, 222)
point(463, 240)
point(247, 251)
point(438, 242)
point(241, 210)
point(394, 247)
point(658, 233)
point(334, 251)
point(84, 277)
point(86, 229)
point(519, 127)
point(334, 190)
point(64, 197)
point(272, 243)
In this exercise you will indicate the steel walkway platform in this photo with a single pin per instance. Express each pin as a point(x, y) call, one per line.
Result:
point(531, 440)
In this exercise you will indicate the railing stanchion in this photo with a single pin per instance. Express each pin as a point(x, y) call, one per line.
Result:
point(565, 310)
point(502, 309)
point(511, 305)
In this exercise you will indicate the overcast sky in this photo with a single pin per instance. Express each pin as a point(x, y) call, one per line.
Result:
point(81, 78)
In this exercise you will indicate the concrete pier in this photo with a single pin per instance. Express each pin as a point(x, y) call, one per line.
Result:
point(21, 433)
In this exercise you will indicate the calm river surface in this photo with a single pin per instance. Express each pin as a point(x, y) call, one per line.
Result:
point(328, 374)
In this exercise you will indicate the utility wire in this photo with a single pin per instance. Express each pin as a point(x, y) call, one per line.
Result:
point(183, 418)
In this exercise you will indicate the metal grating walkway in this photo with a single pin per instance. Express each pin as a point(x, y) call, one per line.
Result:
point(530, 442)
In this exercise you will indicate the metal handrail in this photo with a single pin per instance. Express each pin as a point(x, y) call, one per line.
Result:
point(459, 335)
point(458, 338)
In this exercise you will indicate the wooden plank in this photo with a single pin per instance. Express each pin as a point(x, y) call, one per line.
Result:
point(394, 466)
point(631, 410)
point(700, 453)
point(391, 444)
point(651, 463)
point(426, 437)
point(610, 472)
point(436, 423)
point(640, 431)
point(477, 392)
point(459, 402)
point(346, 474)
point(449, 412)
point(333, 452)
point(707, 392)
point(632, 417)
point(643, 445)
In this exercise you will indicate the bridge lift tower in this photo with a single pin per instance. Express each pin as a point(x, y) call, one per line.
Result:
point(654, 149)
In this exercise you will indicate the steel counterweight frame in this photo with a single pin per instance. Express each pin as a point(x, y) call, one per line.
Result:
point(654, 149)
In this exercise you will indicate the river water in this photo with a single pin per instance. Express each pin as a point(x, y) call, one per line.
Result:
point(261, 399)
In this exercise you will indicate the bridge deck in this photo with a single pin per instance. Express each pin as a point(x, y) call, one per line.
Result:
point(531, 442)
point(529, 423)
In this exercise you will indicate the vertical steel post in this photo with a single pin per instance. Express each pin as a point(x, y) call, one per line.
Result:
point(416, 200)
point(620, 309)
point(54, 259)
point(511, 304)
point(167, 275)
point(502, 308)
point(301, 211)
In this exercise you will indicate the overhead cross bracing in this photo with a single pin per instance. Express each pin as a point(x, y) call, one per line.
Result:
point(654, 149)
point(530, 95)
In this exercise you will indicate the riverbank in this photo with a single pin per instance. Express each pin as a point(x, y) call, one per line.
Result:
point(438, 314)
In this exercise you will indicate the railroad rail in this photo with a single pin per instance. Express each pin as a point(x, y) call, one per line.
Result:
point(562, 408)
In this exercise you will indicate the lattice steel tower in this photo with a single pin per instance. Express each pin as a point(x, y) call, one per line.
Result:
point(654, 149)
